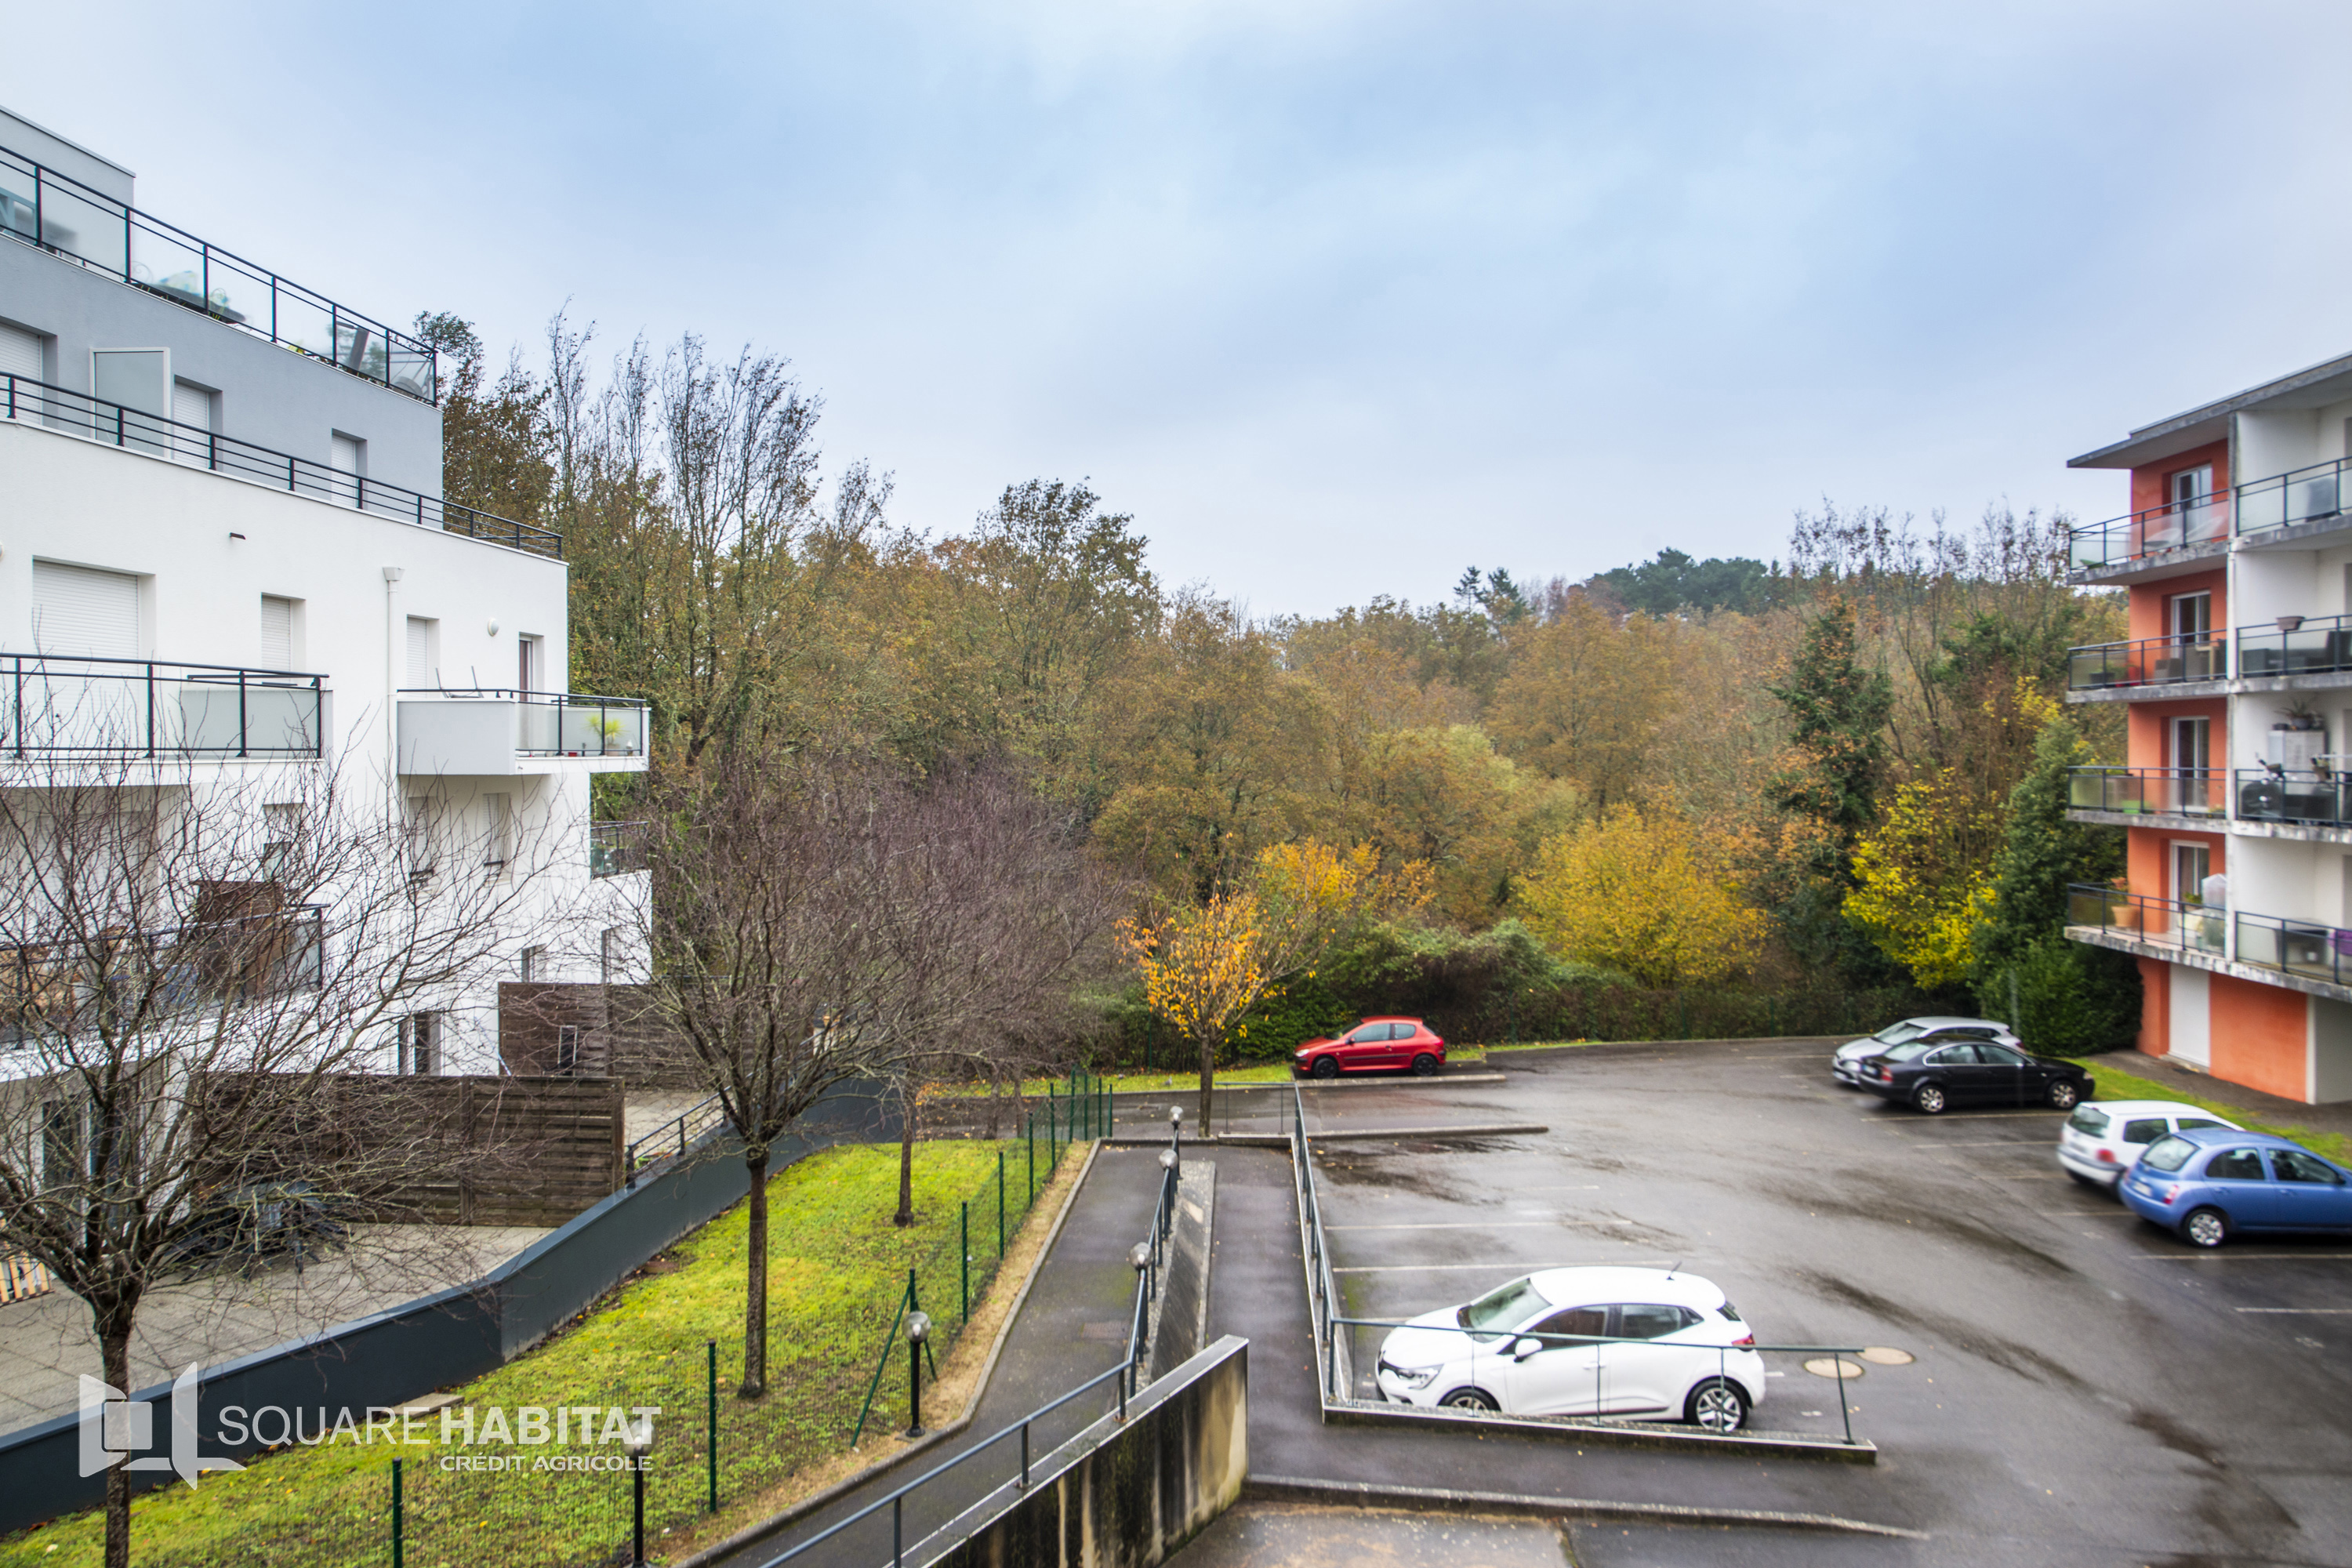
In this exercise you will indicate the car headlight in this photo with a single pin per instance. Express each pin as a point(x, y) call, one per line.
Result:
point(1410, 1376)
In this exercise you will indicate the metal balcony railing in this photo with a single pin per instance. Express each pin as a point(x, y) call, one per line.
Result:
point(2164, 922)
point(2173, 526)
point(2172, 791)
point(2303, 948)
point(2270, 794)
point(69, 988)
point(616, 849)
point(56, 408)
point(66, 218)
point(560, 723)
point(61, 708)
point(2150, 661)
point(2301, 495)
point(2314, 644)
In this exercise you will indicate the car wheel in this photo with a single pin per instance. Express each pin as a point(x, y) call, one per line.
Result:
point(2064, 1094)
point(1470, 1399)
point(1930, 1099)
point(1326, 1067)
point(1717, 1404)
point(1424, 1065)
point(2206, 1227)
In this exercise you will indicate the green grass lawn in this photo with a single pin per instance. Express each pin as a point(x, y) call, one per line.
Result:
point(2116, 1084)
point(836, 1269)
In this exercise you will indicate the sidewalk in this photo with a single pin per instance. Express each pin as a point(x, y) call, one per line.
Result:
point(1073, 1327)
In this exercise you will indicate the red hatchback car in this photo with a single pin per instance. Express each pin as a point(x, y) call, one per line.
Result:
point(1376, 1045)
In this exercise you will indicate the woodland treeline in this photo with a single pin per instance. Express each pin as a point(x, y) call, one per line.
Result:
point(1682, 796)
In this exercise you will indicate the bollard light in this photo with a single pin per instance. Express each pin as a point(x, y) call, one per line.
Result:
point(640, 1441)
point(1168, 1159)
point(1139, 1256)
point(919, 1329)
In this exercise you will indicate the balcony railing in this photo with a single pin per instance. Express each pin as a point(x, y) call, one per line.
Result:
point(71, 988)
point(61, 707)
point(69, 412)
point(2314, 645)
point(2173, 526)
point(2151, 661)
point(2174, 792)
point(2321, 800)
point(616, 849)
point(2165, 922)
point(69, 219)
point(478, 731)
point(2303, 948)
point(2302, 495)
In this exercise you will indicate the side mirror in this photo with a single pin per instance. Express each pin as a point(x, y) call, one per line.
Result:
point(1525, 1348)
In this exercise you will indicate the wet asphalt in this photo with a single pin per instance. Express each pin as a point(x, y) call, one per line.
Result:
point(2085, 1389)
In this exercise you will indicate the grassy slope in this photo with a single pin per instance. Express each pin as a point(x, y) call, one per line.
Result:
point(2113, 1084)
point(836, 1269)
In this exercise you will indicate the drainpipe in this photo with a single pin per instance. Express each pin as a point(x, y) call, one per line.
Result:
point(394, 652)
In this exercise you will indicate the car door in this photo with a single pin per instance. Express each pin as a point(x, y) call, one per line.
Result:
point(2235, 1181)
point(1652, 1375)
point(1955, 1067)
point(1396, 1041)
point(2007, 1076)
point(2311, 1194)
point(1563, 1378)
point(1358, 1045)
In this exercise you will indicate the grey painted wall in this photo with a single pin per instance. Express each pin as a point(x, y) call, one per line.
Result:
point(270, 396)
point(70, 159)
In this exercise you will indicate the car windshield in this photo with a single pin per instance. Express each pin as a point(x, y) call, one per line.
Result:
point(2167, 1154)
point(2087, 1120)
point(1501, 1309)
point(1896, 1034)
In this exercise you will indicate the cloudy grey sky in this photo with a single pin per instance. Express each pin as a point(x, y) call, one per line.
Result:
point(1336, 297)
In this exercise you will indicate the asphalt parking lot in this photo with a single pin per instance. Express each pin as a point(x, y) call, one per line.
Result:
point(2084, 1387)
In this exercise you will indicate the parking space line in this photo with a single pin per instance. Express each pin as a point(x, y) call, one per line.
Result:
point(2247, 1257)
point(1982, 1116)
point(2301, 1311)
point(1508, 1268)
point(1988, 1143)
point(1459, 1225)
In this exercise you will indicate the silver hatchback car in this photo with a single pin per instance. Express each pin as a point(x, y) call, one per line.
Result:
point(1846, 1062)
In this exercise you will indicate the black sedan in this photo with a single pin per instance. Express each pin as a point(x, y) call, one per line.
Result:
point(1933, 1077)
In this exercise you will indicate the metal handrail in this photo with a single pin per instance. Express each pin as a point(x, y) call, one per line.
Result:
point(157, 699)
point(2314, 645)
point(2160, 922)
point(2311, 949)
point(2173, 526)
point(616, 848)
point(41, 405)
point(696, 1121)
point(2290, 794)
point(2180, 792)
point(352, 342)
point(545, 723)
point(2312, 494)
point(2149, 661)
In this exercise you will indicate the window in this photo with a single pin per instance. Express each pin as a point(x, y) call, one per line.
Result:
point(2190, 865)
point(2191, 485)
point(498, 836)
point(2167, 1154)
point(2294, 1165)
point(277, 633)
point(1998, 1055)
point(1500, 1308)
point(420, 1043)
point(567, 1048)
point(2236, 1166)
point(2190, 616)
point(20, 355)
point(2191, 1123)
point(422, 655)
point(2087, 1121)
point(1586, 1322)
point(83, 611)
point(280, 825)
point(1954, 1056)
point(534, 959)
point(423, 849)
point(608, 955)
point(2192, 748)
point(61, 1146)
point(1649, 1322)
point(196, 411)
point(527, 670)
point(347, 455)
point(2146, 1129)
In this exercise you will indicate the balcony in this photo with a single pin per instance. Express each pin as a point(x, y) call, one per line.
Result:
point(2173, 924)
point(2303, 949)
point(239, 949)
point(2178, 793)
point(2313, 495)
point(2177, 525)
point(91, 708)
point(616, 849)
point(2132, 666)
point(2301, 645)
point(41, 207)
point(39, 405)
point(486, 731)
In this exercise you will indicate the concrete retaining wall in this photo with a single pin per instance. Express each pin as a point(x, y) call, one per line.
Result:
point(1121, 1494)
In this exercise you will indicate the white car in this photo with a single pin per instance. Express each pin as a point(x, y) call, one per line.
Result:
point(1583, 1342)
point(2104, 1139)
point(1845, 1062)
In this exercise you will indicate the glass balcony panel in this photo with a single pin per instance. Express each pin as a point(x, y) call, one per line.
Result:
point(305, 324)
point(163, 263)
point(2262, 507)
point(84, 229)
point(538, 728)
point(135, 708)
point(601, 730)
point(238, 296)
point(2309, 500)
point(18, 186)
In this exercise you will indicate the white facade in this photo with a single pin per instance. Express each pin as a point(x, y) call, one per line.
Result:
point(142, 548)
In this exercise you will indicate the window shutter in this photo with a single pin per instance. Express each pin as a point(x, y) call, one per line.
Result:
point(20, 352)
point(277, 631)
point(191, 405)
point(419, 628)
point(81, 611)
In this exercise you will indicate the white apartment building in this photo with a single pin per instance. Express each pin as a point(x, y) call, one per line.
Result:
point(2237, 787)
point(221, 531)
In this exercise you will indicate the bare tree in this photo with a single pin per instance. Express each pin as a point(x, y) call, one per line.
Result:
point(190, 961)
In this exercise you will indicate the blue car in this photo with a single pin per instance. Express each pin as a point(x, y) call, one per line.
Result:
point(2209, 1182)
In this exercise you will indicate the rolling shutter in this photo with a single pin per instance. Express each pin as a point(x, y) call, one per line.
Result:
point(82, 611)
point(419, 631)
point(20, 352)
point(277, 631)
point(191, 405)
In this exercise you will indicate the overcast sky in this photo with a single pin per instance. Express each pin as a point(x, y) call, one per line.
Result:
point(1337, 299)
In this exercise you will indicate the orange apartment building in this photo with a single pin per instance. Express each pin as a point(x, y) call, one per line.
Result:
point(2236, 790)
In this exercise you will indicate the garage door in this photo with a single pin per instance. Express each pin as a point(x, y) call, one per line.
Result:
point(82, 611)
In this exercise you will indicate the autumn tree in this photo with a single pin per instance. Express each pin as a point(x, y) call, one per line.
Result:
point(1640, 894)
point(1204, 965)
point(1585, 697)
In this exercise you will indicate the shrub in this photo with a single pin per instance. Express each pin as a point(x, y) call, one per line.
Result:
point(2071, 999)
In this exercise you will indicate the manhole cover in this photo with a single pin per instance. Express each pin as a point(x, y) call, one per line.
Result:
point(1833, 1366)
point(1888, 1355)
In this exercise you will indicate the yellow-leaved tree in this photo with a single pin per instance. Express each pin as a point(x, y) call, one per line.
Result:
point(1924, 880)
point(1206, 964)
point(1640, 893)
